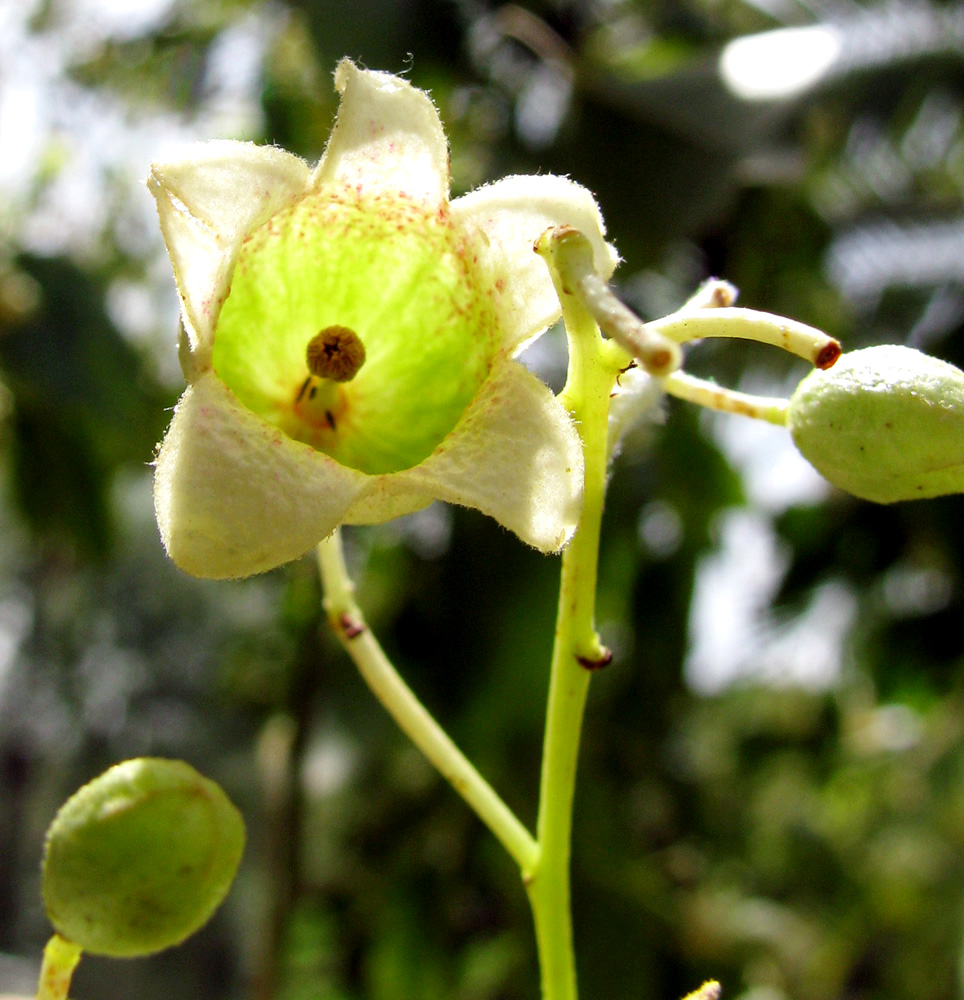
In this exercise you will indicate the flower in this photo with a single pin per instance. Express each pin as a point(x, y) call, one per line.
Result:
point(348, 336)
point(885, 424)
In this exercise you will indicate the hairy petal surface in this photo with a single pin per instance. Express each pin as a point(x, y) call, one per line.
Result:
point(234, 496)
point(384, 501)
point(208, 200)
point(503, 220)
point(388, 137)
point(515, 456)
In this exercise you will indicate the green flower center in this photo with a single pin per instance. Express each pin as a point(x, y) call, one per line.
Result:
point(358, 326)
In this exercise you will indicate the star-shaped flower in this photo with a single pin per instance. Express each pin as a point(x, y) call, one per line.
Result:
point(348, 336)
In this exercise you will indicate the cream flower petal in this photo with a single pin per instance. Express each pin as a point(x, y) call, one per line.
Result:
point(383, 501)
point(208, 200)
point(234, 496)
point(515, 455)
point(502, 221)
point(387, 138)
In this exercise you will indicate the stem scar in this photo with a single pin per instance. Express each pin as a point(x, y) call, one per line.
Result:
point(827, 355)
point(350, 627)
point(593, 663)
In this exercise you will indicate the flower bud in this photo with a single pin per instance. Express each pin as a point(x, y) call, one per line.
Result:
point(885, 424)
point(139, 858)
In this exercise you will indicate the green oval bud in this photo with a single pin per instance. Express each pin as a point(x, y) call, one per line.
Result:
point(885, 424)
point(139, 858)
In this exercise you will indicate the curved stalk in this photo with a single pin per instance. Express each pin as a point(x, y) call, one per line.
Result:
point(804, 341)
point(772, 409)
point(411, 715)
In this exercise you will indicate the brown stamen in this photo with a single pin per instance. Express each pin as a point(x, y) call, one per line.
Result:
point(335, 353)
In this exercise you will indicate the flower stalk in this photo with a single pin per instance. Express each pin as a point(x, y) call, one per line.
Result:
point(804, 341)
point(578, 652)
point(60, 960)
point(378, 672)
point(772, 409)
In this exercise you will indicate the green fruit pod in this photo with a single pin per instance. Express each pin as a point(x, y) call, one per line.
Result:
point(885, 424)
point(140, 858)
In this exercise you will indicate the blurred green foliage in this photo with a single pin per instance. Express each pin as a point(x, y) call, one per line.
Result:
point(792, 840)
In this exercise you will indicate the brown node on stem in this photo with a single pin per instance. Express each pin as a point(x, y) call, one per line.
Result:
point(335, 353)
point(350, 627)
point(827, 355)
point(593, 663)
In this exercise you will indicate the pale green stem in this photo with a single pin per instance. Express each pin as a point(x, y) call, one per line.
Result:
point(575, 277)
point(772, 409)
point(405, 708)
point(714, 293)
point(709, 313)
point(593, 366)
point(749, 324)
point(60, 960)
